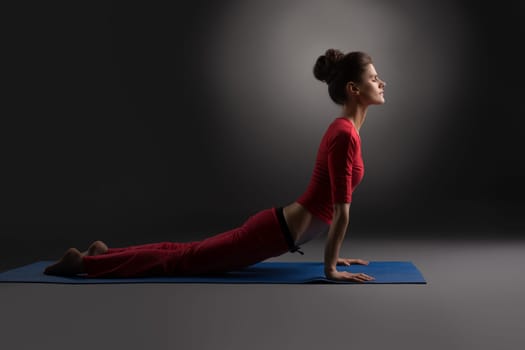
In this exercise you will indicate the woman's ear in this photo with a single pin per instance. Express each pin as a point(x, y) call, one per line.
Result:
point(351, 88)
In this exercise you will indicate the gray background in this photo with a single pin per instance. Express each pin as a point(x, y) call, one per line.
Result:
point(132, 121)
point(135, 122)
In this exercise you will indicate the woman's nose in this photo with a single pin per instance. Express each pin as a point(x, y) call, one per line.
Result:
point(383, 83)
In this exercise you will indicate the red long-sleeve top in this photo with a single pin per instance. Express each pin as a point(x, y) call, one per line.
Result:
point(338, 170)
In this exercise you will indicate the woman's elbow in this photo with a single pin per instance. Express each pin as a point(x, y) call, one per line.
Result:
point(341, 212)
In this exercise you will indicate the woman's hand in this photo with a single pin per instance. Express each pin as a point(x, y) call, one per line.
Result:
point(348, 276)
point(348, 262)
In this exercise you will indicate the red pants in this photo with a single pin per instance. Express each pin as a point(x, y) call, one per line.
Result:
point(261, 236)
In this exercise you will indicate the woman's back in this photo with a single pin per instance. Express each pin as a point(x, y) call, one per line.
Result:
point(338, 170)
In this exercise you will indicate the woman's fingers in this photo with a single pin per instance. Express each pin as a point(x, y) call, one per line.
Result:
point(367, 278)
point(353, 261)
point(359, 261)
point(342, 261)
point(348, 276)
point(359, 277)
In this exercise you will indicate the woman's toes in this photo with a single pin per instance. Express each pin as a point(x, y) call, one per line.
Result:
point(70, 264)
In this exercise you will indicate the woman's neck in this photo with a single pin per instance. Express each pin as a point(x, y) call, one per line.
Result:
point(356, 113)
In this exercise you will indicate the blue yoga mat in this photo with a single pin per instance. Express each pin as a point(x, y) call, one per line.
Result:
point(263, 272)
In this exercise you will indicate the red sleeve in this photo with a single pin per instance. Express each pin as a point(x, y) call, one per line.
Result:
point(341, 151)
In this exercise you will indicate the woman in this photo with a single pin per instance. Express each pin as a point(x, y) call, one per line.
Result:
point(354, 84)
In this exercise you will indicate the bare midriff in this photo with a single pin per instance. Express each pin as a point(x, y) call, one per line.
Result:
point(303, 225)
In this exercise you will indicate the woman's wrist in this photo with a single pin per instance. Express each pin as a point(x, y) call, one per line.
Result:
point(329, 268)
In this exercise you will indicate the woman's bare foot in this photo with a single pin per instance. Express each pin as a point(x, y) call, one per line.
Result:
point(96, 248)
point(70, 264)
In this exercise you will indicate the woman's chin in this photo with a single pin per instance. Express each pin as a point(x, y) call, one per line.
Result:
point(378, 101)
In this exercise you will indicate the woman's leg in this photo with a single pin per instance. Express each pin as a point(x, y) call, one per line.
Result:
point(259, 238)
point(156, 245)
point(133, 262)
point(72, 263)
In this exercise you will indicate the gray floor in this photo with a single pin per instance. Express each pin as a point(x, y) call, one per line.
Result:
point(473, 300)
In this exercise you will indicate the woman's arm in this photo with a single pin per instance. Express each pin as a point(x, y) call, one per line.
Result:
point(336, 235)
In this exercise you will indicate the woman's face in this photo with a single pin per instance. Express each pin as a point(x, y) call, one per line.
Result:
point(370, 90)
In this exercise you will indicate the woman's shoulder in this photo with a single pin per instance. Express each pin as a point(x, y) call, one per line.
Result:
point(342, 128)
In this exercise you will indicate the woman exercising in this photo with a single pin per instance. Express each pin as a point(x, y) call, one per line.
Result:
point(354, 84)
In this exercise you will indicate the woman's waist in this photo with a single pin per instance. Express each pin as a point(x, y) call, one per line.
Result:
point(303, 225)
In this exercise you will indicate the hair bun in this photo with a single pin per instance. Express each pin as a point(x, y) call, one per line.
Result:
point(325, 66)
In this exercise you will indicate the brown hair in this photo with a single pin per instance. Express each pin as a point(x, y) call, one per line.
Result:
point(337, 69)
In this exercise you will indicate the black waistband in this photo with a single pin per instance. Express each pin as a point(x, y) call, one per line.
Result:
point(286, 231)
